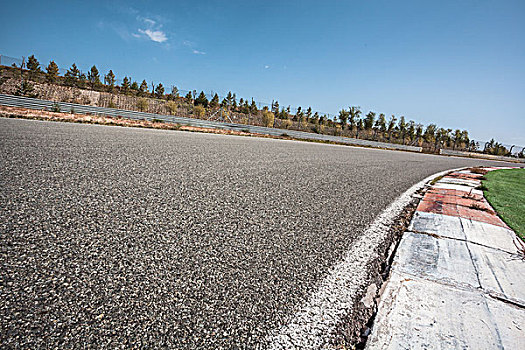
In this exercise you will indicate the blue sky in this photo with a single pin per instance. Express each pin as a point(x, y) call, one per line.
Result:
point(459, 64)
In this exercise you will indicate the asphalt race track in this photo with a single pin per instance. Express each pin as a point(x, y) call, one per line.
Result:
point(124, 237)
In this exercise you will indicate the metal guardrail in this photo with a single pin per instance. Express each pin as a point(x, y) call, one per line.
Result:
point(37, 104)
point(448, 152)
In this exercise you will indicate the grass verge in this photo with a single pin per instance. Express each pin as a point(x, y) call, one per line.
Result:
point(505, 191)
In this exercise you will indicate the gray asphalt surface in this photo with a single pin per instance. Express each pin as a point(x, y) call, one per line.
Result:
point(121, 237)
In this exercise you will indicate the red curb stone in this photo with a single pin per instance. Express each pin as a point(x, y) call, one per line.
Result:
point(450, 192)
point(466, 176)
point(438, 207)
point(457, 178)
point(458, 200)
point(454, 203)
point(480, 215)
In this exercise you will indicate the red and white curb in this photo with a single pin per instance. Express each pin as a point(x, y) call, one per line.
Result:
point(458, 278)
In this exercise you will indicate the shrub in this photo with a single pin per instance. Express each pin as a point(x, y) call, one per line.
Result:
point(172, 107)
point(55, 107)
point(25, 89)
point(318, 129)
point(268, 118)
point(199, 111)
point(286, 123)
point(112, 104)
point(304, 122)
point(142, 104)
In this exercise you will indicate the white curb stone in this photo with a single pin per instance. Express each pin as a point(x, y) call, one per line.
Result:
point(420, 314)
point(457, 187)
point(490, 235)
point(437, 224)
point(456, 227)
point(500, 272)
point(463, 182)
point(435, 259)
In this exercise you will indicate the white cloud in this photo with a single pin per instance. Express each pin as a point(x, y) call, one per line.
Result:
point(155, 35)
point(149, 21)
point(191, 45)
point(266, 67)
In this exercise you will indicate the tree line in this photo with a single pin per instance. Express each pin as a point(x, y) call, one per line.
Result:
point(352, 122)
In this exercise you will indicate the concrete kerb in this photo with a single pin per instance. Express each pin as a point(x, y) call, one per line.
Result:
point(457, 280)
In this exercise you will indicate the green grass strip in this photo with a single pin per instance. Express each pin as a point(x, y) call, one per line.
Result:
point(505, 191)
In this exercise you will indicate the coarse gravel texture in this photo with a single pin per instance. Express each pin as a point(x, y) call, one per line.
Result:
point(118, 237)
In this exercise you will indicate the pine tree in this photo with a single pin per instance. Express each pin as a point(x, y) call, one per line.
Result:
point(72, 75)
point(391, 126)
point(430, 133)
point(298, 114)
point(201, 100)
point(110, 79)
point(343, 117)
point(275, 107)
point(33, 65)
point(419, 132)
point(214, 103)
point(82, 79)
point(143, 89)
point(125, 86)
point(284, 114)
point(457, 137)
point(229, 98)
point(309, 113)
point(189, 97)
point(360, 127)
point(159, 91)
point(402, 126)
point(253, 107)
point(94, 77)
point(369, 120)
point(174, 93)
point(380, 124)
point(465, 138)
point(52, 72)
point(245, 107)
point(355, 113)
point(135, 86)
point(315, 118)
point(411, 130)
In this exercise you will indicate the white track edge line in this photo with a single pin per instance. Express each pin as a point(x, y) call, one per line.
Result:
point(313, 325)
